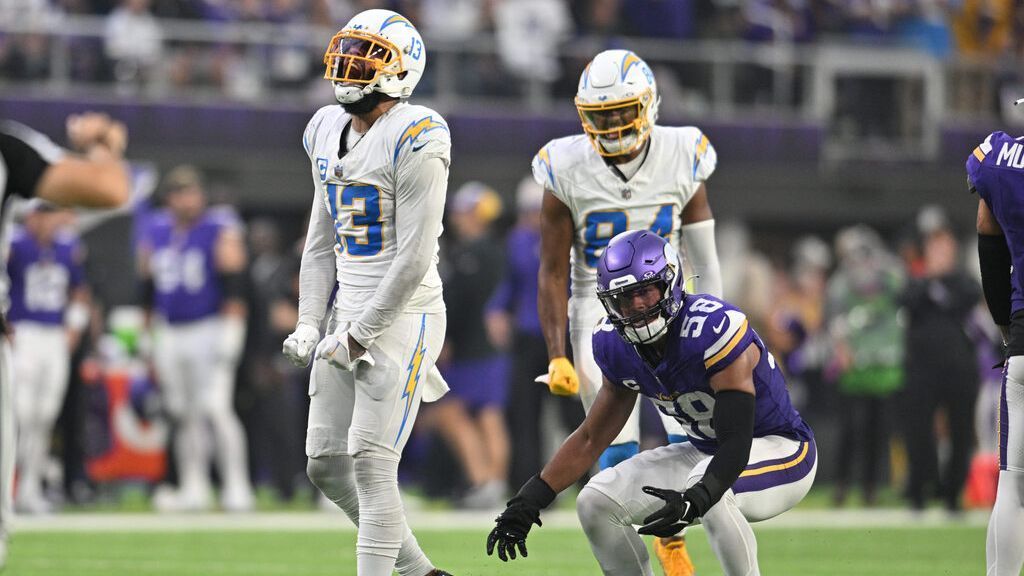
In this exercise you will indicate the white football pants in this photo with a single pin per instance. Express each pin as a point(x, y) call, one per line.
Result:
point(778, 475)
point(41, 367)
point(368, 414)
point(198, 390)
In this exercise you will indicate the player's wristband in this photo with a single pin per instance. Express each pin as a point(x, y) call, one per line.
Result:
point(536, 492)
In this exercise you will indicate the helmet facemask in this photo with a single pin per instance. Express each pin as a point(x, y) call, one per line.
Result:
point(618, 127)
point(356, 61)
point(642, 311)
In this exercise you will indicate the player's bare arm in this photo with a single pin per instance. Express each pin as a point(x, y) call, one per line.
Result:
point(578, 454)
point(734, 428)
point(553, 281)
point(100, 180)
point(581, 450)
point(557, 231)
point(697, 209)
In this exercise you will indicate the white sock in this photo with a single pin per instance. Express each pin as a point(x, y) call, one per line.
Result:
point(334, 476)
point(191, 452)
point(731, 538)
point(1004, 543)
point(231, 453)
point(382, 526)
point(31, 457)
point(618, 548)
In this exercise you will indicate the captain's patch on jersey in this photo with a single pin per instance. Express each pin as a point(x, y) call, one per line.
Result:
point(321, 166)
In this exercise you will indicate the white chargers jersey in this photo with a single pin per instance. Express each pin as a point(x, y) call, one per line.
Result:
point(603, 205)
point(359, 191)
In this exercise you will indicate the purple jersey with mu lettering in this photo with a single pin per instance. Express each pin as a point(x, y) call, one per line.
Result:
point(183, 266)
point(42, 277)
point(707, 336)
point(996, 171)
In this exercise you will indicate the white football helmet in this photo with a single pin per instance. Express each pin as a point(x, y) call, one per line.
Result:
point(618, 102)
point(378, 50)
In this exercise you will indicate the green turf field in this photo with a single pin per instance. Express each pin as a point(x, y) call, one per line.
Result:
point(934, 551)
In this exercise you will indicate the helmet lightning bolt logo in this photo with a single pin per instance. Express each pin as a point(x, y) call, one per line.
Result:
point(413, 379)
point(415, 129)
point(628, 62)
point(395, 19)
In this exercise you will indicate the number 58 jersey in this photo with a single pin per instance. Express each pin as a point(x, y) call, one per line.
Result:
point(705, 338)
point(360, 187)
point(604, 204)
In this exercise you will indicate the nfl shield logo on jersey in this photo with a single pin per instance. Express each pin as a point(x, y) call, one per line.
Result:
point(627, 193)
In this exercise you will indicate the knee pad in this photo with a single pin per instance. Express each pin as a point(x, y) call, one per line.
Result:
point(617, 453)
point(333, 476)
point(594, 507)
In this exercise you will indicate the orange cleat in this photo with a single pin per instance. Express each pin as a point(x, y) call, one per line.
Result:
point(672, 554)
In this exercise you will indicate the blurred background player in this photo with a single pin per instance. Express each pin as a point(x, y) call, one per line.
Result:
point(49, 309)
point(750, 456)
point(938, 305)
point(992, 172)
point(472, 416)
point(33, 166)
point(863, 301)
point(192, 260)
point(512, 322)
point(623, 173)
point(380, 176)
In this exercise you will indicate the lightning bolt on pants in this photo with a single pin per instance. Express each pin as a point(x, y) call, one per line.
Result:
point(368, 414)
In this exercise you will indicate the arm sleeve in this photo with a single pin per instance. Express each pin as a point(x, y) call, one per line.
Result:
point(27, 154)
point(317, 273)
point(705, 159)
point(995, 260)
point(699, 243)
point(419, 206)
point(734, 428)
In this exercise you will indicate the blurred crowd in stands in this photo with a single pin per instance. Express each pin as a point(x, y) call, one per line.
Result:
point(138, 46)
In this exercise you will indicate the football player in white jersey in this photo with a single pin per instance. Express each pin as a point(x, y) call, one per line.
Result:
point(624, 173)
point(380, 175)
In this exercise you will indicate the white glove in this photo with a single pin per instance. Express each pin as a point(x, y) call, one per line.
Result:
point(298, 346)
point(334, 349)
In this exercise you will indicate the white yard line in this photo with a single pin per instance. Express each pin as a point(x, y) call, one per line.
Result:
point(431, 520)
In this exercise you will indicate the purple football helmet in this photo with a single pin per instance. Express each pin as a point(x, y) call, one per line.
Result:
point(633, 264)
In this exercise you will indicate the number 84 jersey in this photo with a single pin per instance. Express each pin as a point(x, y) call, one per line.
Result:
point(360, 186)
point(603, 204)
point(707, 336)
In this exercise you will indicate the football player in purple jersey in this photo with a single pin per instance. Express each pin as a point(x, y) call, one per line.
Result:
point(750, 456)
point(995, 170)
point(49, 309)
point(192, 258)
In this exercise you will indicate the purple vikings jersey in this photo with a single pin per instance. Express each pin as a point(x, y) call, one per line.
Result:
point(42, 277)
point(186, 287)
point(707, 336)
point(996, 171)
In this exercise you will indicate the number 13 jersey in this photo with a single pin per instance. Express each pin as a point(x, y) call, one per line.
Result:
point(678, 160)
point(707, 336)
point(360, 186)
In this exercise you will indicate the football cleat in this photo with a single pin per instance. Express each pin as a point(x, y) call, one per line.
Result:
point(672, 554)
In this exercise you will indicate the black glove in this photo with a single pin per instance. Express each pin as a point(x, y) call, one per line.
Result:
point(680, 510)
point(522, 513)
